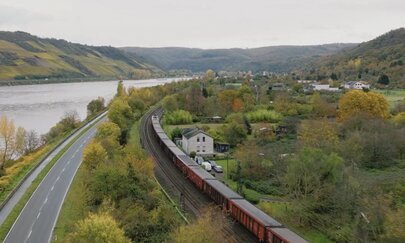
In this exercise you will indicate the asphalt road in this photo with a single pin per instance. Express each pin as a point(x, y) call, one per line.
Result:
point(38, 217)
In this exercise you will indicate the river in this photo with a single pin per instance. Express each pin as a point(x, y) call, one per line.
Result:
point(39, 107)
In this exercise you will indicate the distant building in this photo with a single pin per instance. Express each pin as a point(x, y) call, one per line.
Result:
point(221, 147)
point(356, 85)
point(323, 87)
point(305, 81)
point(197, 140)
point(277, 87)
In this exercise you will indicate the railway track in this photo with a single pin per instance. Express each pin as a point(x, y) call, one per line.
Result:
point(178, 187)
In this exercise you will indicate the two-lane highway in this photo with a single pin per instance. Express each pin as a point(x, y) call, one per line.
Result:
point(38, 218)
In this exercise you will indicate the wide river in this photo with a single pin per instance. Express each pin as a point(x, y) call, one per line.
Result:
point(39, 107)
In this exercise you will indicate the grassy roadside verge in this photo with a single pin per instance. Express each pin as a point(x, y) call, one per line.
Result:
point(5, 227)
point(15, 180)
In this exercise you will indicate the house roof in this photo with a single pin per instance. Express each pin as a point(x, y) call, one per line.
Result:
point(191, 132)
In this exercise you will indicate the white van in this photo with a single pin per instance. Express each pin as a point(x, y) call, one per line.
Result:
point(207, 166)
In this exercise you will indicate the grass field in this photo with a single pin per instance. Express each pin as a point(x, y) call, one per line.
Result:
point(393, 97)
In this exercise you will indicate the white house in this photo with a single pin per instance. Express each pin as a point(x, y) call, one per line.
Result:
point(357, 85)
point(198, 141)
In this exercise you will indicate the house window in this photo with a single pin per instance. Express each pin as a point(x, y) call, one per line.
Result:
point(198, 148)
point(198, 139)
point(203, 139)
point(203, 147)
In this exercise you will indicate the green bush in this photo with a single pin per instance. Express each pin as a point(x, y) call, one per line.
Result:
point(263, 115)
point(178, 117)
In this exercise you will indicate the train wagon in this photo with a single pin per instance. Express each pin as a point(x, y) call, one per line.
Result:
point(198, 176)
point(220, 193)
point(255, 220)
point(183, 162)
point(282, 235)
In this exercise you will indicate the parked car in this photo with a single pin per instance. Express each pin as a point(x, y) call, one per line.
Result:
point(199, 160)
point(207, 166)
point(215, 167)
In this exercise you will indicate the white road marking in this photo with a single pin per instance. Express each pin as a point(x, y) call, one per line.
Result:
point(63, 169)
point(38, 215)
point(52, 187)
point(46, 200)
point(29, 234)
point(57, 179)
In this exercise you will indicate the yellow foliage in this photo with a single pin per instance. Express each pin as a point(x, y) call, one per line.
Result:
point(359, 102)
point(93, 155)
point(207, 229)
point(318, 134)
point(14, 170)
point(98, 228)
point(400, 118)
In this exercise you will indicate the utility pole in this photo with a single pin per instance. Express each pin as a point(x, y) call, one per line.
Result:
point(238, 174)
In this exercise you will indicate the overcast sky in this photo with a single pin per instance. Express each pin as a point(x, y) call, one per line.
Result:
point(204, 23)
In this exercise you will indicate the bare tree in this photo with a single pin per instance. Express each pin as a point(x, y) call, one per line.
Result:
point(32, 141)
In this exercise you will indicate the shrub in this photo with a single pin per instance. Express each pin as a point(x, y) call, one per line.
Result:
point(264, 116)
point(178, 117)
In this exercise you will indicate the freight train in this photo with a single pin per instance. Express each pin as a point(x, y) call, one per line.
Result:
point(264, 227)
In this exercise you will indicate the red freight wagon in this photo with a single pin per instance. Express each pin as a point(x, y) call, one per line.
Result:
point(220, 193)
point(197, 175)
point(255, 220)
point(282, 235)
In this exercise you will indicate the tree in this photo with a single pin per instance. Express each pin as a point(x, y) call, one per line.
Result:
point(178, 117)
point(169, 103)
point(194, 100)
point(70, 120)
point(121, 89)
point(237, 105)
point(93, 155)
point(369, 103)
point(95, 106)
point(32, 141)
point(254, 165)
point(333, 76)
point(98, 228)
point(310, 170)
point(108, 129)
point(234, 133)
point(321, 108)
point(208, 228)
point(210, 75)
point(383, 79)
point(318, 134)
point(20, 141)
point(7, 136)
point(225, 100)
point(137, 105)
point(121, 114)
point(399, 119)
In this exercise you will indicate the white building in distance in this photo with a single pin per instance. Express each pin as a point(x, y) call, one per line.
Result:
point(198, 141)
point(323, 87)
point(357, 85)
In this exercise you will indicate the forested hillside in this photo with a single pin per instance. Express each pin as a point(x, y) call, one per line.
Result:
point(369, 61)
point(273, 58)
point(24, 56)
